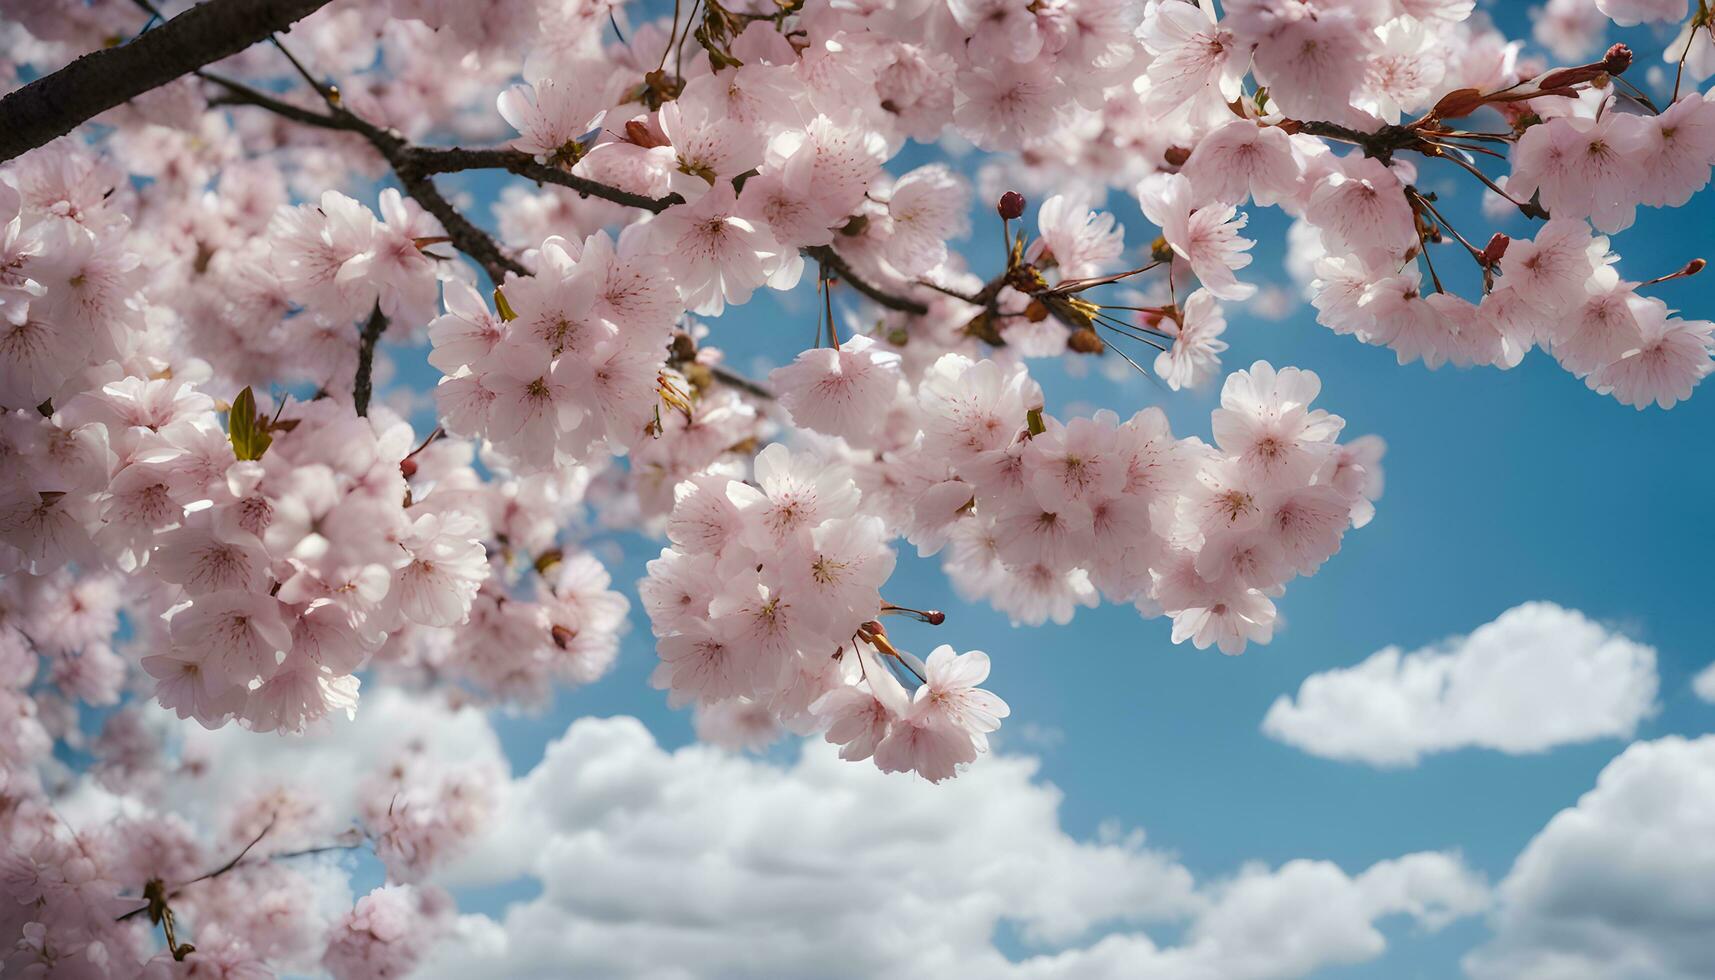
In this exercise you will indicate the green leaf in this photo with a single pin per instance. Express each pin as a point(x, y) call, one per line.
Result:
point(1033, 422)
point(249, 434)
point(505, 308)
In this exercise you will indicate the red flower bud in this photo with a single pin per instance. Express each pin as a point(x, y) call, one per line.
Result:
point(1496, 248)
point(1011, 205)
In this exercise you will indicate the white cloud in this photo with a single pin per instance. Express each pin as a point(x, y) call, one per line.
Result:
point(697, 863)
point(330, 763)
point(232, 773)
point(1537, 677)
point(1620, 886)
point(1703, 685)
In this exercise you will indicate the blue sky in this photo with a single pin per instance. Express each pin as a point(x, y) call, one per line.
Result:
point(1502, 487)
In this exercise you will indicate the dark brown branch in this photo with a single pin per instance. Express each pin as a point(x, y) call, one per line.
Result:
point(413, 176)
point(732, 379)
point(1381, 144)
point(466, 237)
point(415, 165)
point(834, 263)
point(434, 160)
point(238, 93)
point(451, 159)
point(56, 104)
point(361, 388)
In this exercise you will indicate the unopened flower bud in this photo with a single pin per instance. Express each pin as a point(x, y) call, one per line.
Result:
point(1011, 205)
point(1496, 248)
point(408, 467)
point(1176, 156)
point(684, 348)
point(1085, 340)
point(1617, 60)
point(639, 134)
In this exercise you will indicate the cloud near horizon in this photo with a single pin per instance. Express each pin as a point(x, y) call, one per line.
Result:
point(700, 863)
point(1537, 677)
point(1620, 886)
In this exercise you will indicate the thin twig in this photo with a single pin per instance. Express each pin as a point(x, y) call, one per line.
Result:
point(415, 165)
point(733, 379)
point(445, 160)
point(361, 388)
point(835, 263)
point(238, 93)
point(216, 873)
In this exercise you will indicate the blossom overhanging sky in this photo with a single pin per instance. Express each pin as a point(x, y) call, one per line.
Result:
point(1524, 617)
point(1481, 742)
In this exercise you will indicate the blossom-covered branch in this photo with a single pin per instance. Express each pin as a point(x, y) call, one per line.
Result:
point(57, 103)
point(414, 164)
point(406, 165)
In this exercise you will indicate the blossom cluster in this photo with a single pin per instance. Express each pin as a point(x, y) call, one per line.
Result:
point(573, 360)
point(769, 597)
point(267, 895)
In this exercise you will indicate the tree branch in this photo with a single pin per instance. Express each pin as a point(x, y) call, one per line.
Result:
point(434, 160)
point(732, 379)
point(238, 93)
point(833, 262)
point(415, 166)
point(361, 388)
point(237, 861)
point(56, 104)
point(467, 237)
point(413, 176)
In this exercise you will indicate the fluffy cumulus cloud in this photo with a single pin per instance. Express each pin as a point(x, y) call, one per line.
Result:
point(1620, 886)
point(332, 763)
point(1537, 677)
point(698, 863)
point(325, 770)
point(1703, 685)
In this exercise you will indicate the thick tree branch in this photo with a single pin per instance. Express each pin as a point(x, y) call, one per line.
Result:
point(54, 105)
